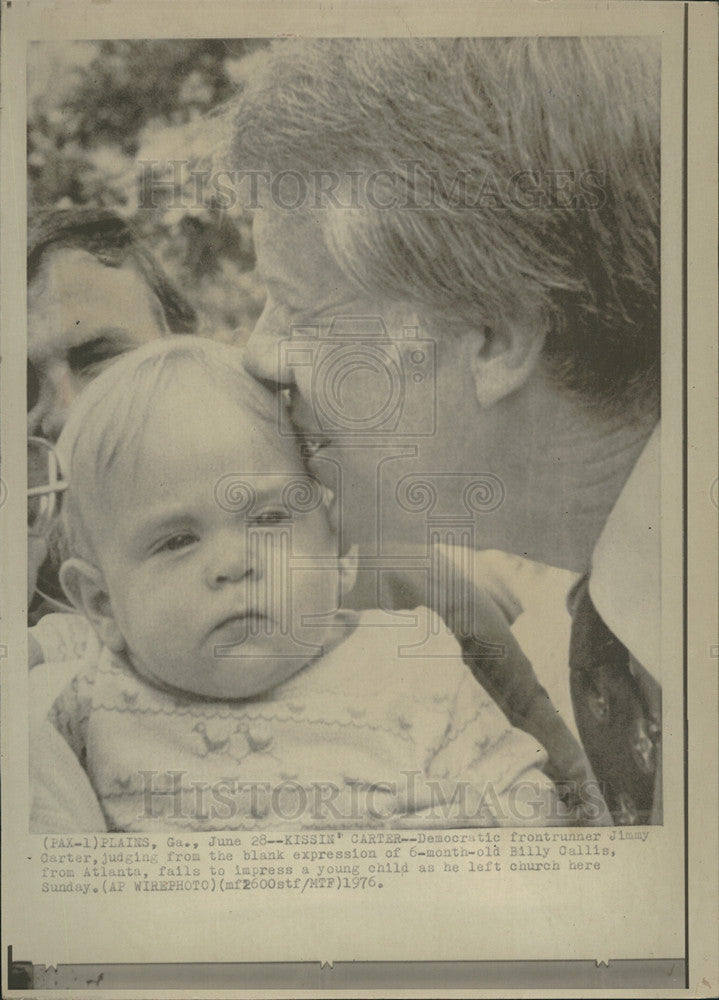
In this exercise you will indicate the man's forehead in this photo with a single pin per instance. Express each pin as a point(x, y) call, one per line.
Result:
point(77, 298)
point(67, 269)
point(296, 238)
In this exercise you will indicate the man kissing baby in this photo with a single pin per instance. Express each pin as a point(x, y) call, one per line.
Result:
point(232, 689)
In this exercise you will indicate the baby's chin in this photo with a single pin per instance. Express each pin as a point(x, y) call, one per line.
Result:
point(226, 672)
point(235, 678)
point(258, 671)
point(250, 679)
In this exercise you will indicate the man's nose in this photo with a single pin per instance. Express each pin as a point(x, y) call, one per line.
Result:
point(47, 417)
point(266, 353)
point(52, 422)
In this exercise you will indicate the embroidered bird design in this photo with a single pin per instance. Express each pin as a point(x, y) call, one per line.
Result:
point(258, 743)
point(211, 746)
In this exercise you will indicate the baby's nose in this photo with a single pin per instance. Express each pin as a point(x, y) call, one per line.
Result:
point(229, 563)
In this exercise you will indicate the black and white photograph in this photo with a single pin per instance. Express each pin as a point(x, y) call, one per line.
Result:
point(356, 554)
point(461, 326)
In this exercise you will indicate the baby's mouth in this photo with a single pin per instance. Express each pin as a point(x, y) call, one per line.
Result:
point(238, 627)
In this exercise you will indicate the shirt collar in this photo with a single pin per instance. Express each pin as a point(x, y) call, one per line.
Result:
point(625, 580)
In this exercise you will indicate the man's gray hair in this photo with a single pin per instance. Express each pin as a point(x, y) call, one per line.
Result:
point(510, 175)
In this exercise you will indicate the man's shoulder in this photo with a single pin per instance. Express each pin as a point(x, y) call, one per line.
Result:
point(625, 579)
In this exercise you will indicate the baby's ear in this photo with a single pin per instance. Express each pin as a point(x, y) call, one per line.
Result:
point(86, 590)
point(349, 564)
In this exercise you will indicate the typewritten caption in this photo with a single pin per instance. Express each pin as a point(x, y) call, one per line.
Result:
point(308, 862)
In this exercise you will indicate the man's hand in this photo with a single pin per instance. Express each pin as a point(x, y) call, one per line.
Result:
point(480, 594)
point(514, 583)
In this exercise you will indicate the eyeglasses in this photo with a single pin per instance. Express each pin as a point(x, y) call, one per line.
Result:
point(44, 485)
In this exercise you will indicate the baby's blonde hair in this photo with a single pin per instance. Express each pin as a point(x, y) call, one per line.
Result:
point(107, 420)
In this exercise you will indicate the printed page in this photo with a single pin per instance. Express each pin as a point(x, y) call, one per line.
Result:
point(359, 494)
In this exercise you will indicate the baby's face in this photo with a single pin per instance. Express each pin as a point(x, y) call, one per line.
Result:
point(212, 558)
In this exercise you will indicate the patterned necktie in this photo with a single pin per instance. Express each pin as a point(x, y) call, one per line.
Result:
point(617, 708)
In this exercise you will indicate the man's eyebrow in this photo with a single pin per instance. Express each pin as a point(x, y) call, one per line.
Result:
point(110, 340)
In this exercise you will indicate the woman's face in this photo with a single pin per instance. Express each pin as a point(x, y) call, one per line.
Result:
point(388, 402)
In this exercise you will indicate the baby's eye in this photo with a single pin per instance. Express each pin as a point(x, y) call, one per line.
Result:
point(277, 516)
point(174, 543)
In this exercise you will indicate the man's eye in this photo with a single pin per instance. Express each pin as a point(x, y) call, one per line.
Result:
point(89, 359)
point(278, 516)
point(174, 543)
point(98, 361)
point(91, 371)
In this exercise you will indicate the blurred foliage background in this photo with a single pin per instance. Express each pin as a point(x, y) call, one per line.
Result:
point(105, 116)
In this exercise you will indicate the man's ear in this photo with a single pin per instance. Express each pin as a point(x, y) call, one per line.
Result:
point(86, 590)
point(349, 564)
point(502, 357)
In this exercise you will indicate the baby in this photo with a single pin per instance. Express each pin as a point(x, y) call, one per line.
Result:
point(230, 689)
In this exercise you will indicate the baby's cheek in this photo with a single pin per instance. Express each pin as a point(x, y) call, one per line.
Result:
point(151, 620)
